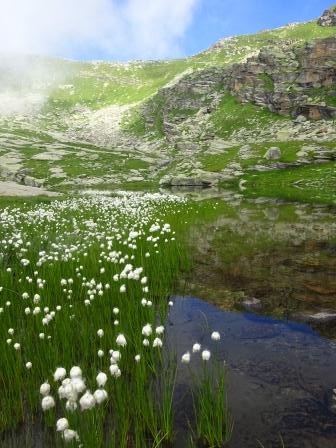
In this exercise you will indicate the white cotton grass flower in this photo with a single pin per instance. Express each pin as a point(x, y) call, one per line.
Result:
point(145, 342)
point(122, 288)
point(121, 340)
point(100, 395)
point(62, 424)
point(115, 311)
point(47, 403)
point(87, 401)
point(185, 358)
point(69, 435)
point(67, 391)
point(147, 330)
point(11, 331)
point(75, 372)
point(100, 333)
point(45, 389)
point(100, 353)
point(157, 342)
point(196, 347)
point(78, 384)
point(137, 358)
point(17, 346)
point(215, 336)
point(116, 355)
point(29, 365)
point(71, 405)
point(115, 371)
point(206, 355)
point(101, 379)
point(159, 330)
point(59, 373)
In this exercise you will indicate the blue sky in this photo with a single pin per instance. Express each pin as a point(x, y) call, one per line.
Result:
point(138, 29)
point(215, 19)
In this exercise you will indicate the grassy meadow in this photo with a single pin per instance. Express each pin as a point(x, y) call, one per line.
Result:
point(85, 288)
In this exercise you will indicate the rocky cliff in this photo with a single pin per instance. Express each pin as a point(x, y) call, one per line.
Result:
point(286, 79)
point(289, 80)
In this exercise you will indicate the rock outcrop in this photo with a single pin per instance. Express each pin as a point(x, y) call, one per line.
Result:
point(291, 79)
point(286, 80)
point(328, 18)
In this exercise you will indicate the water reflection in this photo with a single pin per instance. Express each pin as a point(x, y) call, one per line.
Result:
point(280, 375)
point(268, 257)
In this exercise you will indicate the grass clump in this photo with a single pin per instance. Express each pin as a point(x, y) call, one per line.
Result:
point(213, 422)
point(232, 115)
point(313, 183)
point(267, 81)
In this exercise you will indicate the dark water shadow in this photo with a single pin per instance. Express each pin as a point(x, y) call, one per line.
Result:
point(280, 375)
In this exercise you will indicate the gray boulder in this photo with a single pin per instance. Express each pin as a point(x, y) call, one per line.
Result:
point(180, 181)
point(273, 153)
point(300, 119)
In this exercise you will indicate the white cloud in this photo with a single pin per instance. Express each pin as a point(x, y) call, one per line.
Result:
point(110, 28)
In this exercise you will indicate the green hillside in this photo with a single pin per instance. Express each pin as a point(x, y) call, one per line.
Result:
point(115, 123)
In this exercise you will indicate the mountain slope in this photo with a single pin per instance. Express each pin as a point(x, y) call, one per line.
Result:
point(176, 122)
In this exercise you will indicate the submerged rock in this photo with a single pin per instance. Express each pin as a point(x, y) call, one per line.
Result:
point(252, 304)
point(322, 317)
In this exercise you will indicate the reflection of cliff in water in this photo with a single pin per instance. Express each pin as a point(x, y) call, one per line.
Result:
point(272, 258)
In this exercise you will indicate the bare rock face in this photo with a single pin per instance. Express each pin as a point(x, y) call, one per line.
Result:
point(328, 18)
point(282, 79)
point(286, 78)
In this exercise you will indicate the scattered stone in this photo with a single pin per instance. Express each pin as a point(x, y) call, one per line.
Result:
point(322, 317)
point(49, 156)
point(186, 182)
point(14, 189)
point(58, 172)
point(300, 119)
point(218, 146)
point(273, 153)
point(252, 304)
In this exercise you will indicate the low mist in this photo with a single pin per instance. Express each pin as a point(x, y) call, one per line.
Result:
point(33, 31)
